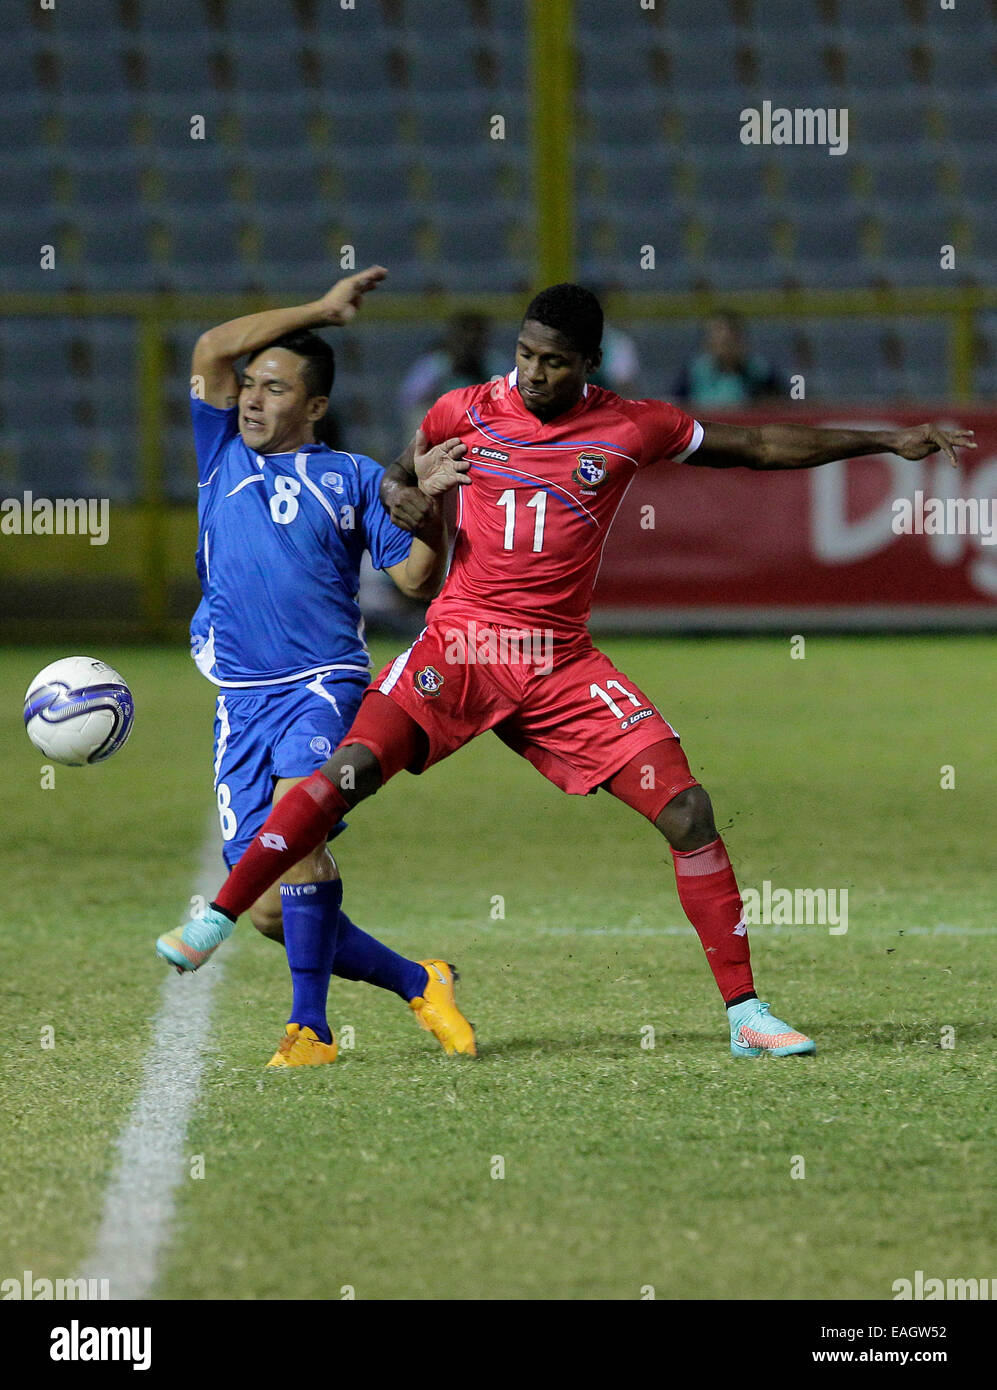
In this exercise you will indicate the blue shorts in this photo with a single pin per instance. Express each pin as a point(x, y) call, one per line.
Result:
point(287, 731)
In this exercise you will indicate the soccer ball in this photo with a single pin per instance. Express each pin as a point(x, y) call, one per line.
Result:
point(78, 710)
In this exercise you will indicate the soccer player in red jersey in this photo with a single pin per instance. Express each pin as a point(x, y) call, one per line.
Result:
point(542, 460)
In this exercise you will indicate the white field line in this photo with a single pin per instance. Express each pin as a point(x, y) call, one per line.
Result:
point(763, 929)
point(507, 929)
point(151, 1162)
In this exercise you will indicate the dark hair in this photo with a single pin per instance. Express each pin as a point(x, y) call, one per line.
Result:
point(732, 318)
point(319, 370)
point(573, 311)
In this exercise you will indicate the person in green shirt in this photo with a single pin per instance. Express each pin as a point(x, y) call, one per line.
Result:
point(726, 372)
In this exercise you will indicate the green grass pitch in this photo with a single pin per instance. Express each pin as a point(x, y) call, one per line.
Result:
point(623, 1167)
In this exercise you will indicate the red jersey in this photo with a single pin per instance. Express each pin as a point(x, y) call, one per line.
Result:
point(532, 525)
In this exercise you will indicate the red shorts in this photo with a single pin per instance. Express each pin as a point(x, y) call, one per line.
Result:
point(574, 716)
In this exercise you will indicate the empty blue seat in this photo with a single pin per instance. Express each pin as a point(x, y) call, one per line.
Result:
point(887, 118)
point(363, 121)
point(732, 181)
point(613, 65)
point(113, 236)
point(170, 117)
point(812, 177)
point(625, 118)
point(788, 64)
point(268, 61)
point(705, 16)
point(21, 122)
point(697, 67)
point(95, 18)
point(274, 121)
point(463, 62)
point(917, 235)
point(863, 60)
point(22, 235)
point(196, 175)
point(877, 23)
point(848, 357)
point(180, 67)
point(168, 19)
point(27, 182)
point(374, 183)
point(791, 21)
point(968, 115)
point(465, 121)
point(105, 180)
point(959, 62)
point(638, 178)
point(97, 123)
point(55, 462)
point(20, 64)
point(926, 354)
point(900, 173)
point(93, 69)
point(245, 18)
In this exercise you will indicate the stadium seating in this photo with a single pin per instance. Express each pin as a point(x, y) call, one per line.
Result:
point(324, 126)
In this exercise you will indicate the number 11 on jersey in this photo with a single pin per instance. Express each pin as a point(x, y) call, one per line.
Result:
point(539, 502)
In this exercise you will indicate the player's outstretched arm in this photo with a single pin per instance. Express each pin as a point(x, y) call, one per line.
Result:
point(805, 446)
point(213, 375)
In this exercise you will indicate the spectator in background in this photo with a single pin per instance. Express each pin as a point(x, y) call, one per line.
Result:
point(463, 358)
point(725, 372)
point(620, 363)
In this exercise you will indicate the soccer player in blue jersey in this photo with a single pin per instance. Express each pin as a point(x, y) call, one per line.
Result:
point(283, 525)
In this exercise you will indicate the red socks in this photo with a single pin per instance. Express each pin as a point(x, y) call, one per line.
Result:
point(709, 894)
point(300, 821)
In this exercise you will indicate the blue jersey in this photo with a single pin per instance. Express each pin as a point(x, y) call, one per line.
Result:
point(280, 542)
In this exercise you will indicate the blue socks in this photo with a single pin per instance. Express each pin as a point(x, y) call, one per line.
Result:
point(319, 938)
point(361, 957)
point(311, 931)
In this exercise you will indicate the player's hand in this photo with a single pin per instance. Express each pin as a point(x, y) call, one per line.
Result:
point(408, 507)
point(442, 467)
point(922, 440)
point(340, 304)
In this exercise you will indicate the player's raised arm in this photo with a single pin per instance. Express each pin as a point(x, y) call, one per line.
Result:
point(806, 446)
point(213, 376)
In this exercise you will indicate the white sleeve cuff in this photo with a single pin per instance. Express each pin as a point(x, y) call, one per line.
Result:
point(694, 442)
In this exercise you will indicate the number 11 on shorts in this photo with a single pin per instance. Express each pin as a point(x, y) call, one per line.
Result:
point(597, 692)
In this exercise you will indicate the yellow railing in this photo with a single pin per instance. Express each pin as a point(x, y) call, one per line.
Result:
point(163, 550)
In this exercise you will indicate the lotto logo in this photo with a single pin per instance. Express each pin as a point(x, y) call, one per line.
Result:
point(272, 841)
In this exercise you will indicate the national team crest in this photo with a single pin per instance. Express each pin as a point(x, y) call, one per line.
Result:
point(428, 681)
point(592, 470)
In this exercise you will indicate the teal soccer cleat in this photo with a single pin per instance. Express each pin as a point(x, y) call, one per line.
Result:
point(189, 946)
point(754, 1032)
